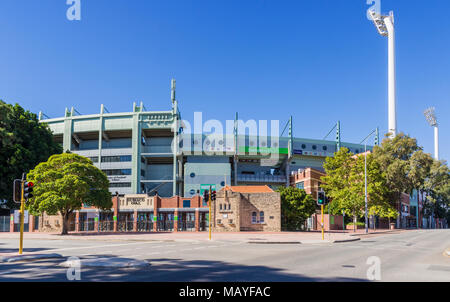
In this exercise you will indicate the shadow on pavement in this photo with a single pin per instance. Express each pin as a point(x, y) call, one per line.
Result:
point(160, 270)
point(25, 250)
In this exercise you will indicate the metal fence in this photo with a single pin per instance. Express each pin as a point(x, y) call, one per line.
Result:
point(4, 223)
point(125, 226)
point(106, 226)
point(87, 226)
point(145, 226)
point(166, 225)
point(188, 226)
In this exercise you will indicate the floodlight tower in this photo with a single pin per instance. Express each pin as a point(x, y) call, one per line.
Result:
point(385, 27)
point(431, 119)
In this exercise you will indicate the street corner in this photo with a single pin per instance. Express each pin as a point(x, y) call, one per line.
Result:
point(106, 262)
point(28, 257)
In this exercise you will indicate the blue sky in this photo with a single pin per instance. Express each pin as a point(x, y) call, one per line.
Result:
point(318, 60)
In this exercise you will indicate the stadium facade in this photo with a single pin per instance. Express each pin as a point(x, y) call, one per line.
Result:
point(137, 152)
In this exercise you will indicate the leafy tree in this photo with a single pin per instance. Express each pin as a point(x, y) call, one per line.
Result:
point(397, 159)
point(344, 183)
point(296, 207)
point(64, 183)
point(437, 188)
point(24, 142)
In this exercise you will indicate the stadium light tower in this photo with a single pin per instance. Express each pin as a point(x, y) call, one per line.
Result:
point(431, 119)
point(385, 27)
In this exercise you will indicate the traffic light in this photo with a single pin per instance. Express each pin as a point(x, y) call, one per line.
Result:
point(17, 190)
point(213, 195)
point(320, 198)
point(206, 195)
point(27, 190)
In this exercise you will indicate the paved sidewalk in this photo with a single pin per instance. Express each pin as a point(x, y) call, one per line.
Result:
point(250, 237)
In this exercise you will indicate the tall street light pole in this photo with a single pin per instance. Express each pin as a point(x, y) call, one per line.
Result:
point(365, 180)
point(385, 27)
point(431, 119)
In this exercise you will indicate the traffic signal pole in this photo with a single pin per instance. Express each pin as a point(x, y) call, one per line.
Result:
point(209, 220)
point(321, 209)
point(22, 206)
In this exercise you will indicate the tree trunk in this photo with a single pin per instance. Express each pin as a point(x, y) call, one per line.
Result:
point(354, 223)
point(65, 228)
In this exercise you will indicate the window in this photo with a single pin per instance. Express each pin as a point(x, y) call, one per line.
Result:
point(192, 175)
point(120, 184)
point(219, 221)
point(253, 217)
point(230, 221)
point(113, 172)
point(314, 147)
point(324, 148)
point(186, 203)
point(94, 159)
point(143, 173)
point(248, 172)
point(115, 159)
point(229, 206)
point(261, 217)
point(300, 185)
point(220, 206)
point(222, 184)
point(303, 146)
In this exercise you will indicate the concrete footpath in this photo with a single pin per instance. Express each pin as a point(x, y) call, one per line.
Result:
point(247, 237)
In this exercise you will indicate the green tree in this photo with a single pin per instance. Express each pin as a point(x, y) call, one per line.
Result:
point(397, 159)
point(296, 207)
point(24, 142)
point(344, 183)
point(437, 189)
point(64, 183)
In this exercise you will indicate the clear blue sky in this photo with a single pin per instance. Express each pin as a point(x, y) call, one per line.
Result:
point(319, 60)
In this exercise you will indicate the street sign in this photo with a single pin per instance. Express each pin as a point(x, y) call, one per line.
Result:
point(17, 216)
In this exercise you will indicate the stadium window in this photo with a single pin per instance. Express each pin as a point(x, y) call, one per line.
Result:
point(253, 217)
point(261, 217)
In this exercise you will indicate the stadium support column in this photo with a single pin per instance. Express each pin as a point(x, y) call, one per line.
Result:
point(290, 152)
point(67, 139)
point(175, 133)
point(136, 154)
point(235, 157)
point(100, 136)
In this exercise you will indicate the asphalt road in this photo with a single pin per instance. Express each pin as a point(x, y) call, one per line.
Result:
point(407, 256)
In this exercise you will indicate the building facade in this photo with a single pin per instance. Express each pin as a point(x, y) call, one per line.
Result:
point(145, 151)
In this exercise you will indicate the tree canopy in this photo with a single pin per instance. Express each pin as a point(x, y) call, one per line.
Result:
point(296, 207)
point(64, 183)
point(24, 143)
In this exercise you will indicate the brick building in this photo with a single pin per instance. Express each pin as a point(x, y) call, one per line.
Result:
point(256, 208)
point(247, 208)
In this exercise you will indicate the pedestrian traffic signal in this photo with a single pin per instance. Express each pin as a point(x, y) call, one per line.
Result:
point(206, 195)
point(320, 198)
point(27, 190)
point(213, 195)
point(17, 190)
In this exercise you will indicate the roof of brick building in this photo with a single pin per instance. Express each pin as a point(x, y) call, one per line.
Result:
point(248, 189)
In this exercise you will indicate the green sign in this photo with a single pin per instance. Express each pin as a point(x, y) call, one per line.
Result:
point(175, 218)
point(154, 218)
point(263, 150)
point(115, 218)
point(204, 187)
point(331, 219)
point(12, 218)
point(96, 219)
